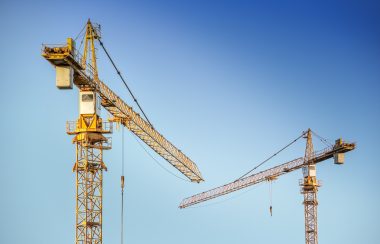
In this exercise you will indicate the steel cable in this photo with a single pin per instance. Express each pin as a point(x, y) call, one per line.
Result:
point(125, 83)
point(157, 162)
point(266, 160)
point(122, 187)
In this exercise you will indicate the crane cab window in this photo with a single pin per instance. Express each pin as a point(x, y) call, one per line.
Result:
point(87, 97)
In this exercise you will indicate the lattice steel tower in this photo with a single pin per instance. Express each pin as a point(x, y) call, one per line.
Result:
point(80, 69)
point(309, 187)
point(90, 143)
point(89, 167)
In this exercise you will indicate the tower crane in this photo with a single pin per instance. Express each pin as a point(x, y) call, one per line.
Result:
point(89, 130)
point(309, 183)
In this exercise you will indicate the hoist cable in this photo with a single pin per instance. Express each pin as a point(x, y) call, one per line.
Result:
point(80, 32)
point(125, 83)
point(270, 197)
point(122, 151)
point(122, 187)
point(266, 160)
point(80, 45)
point(323, 140)
point(82, 40)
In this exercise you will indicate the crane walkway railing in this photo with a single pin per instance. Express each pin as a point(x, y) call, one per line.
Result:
point(73, 126)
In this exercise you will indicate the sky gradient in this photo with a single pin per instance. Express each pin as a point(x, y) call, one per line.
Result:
point(227, 82)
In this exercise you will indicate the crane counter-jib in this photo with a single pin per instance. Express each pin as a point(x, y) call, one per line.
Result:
point(268, 174)
point(67, 56)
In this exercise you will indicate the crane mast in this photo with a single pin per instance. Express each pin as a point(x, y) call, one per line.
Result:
point(90, 143)
point(89, 130)
point(309, 187)
point(309, 184)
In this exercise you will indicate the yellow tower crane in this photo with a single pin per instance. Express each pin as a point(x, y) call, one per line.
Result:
point(72, 67)
point(309, 184)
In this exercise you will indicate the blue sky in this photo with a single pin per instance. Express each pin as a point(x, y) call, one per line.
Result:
point(229, 83)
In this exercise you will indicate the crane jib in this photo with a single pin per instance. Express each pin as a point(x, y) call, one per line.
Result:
point(85, 77)
point(266, 175)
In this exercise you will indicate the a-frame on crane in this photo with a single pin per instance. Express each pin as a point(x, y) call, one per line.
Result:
point(72, 67)
point(309, 184)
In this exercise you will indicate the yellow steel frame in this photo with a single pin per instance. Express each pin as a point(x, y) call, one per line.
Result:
point(89, 163)
point(89, 139)
point(89, 167)
point(309, 188)
point(86, 77)
point(89, 192)
point(91, 36)
point(311, 217)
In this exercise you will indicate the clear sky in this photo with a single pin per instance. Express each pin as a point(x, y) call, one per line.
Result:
point(229, 83)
